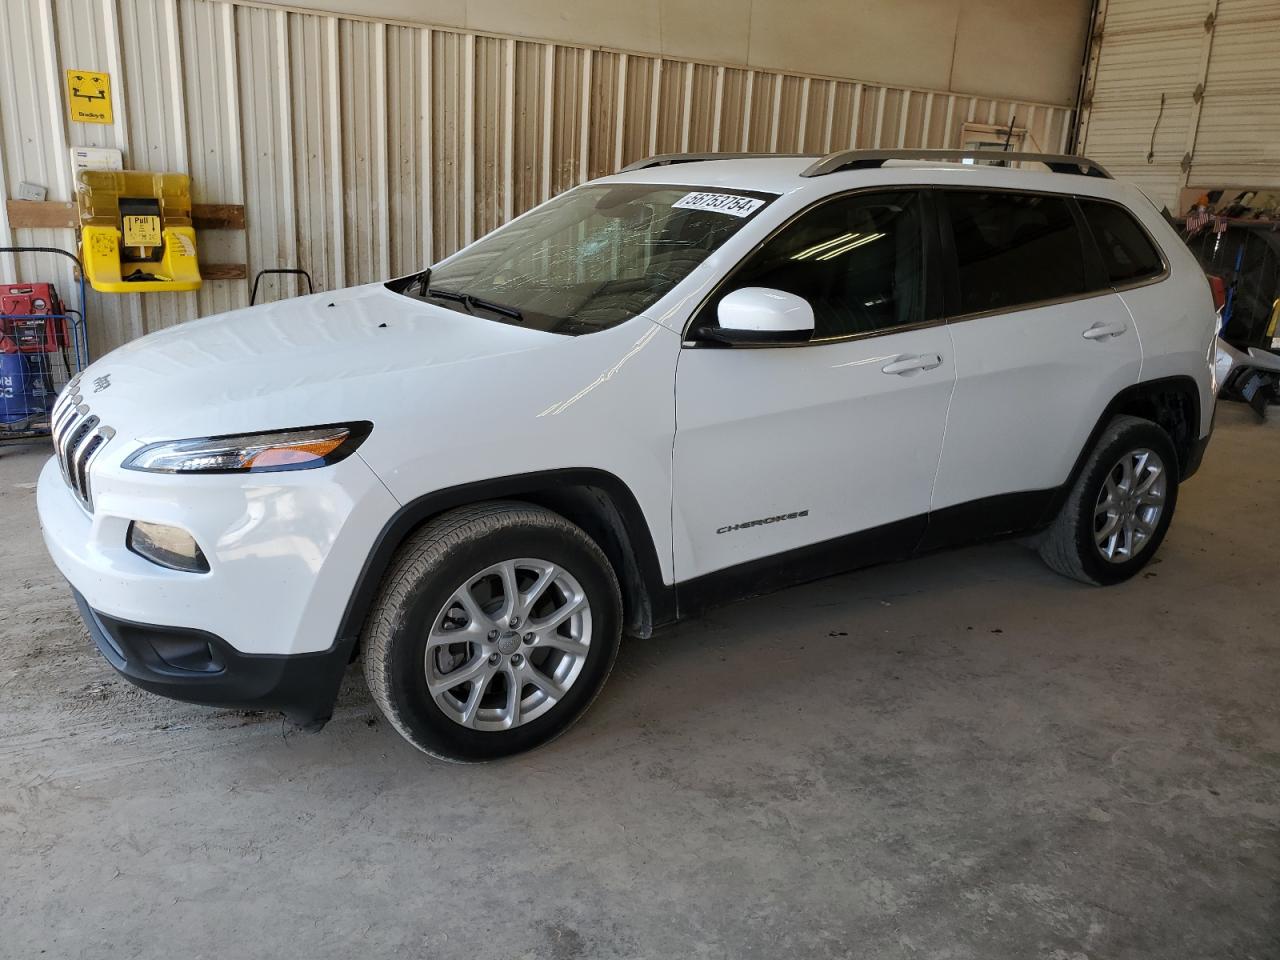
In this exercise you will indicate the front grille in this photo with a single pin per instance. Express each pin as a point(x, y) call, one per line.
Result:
point(78, 437)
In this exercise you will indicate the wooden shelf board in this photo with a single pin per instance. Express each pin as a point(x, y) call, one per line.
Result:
point(224, 271)
point(61, 215)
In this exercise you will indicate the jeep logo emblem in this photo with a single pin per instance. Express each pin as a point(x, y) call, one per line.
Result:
point(101, 383)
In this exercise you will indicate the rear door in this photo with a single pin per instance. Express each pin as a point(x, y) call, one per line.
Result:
point(1041, 344)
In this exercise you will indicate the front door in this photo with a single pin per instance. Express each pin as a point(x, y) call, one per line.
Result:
point(794, 449)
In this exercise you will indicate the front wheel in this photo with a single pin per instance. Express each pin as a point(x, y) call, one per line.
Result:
point(496, 626)
point(1120, 507)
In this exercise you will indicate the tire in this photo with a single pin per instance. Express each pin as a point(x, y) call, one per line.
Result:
point(555, 675)
point(1071, 544)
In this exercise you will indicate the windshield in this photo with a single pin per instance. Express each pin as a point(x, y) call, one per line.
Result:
point(590, 258)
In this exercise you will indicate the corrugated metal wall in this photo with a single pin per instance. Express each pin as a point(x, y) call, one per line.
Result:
point(361, 149)
point(1217, 64)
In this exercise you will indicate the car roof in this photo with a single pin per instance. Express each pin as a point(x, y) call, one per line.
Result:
point(779, 174)
point(784, 175)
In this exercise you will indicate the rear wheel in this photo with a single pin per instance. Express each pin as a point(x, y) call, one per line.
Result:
point(496, 627)
point(1120, 507)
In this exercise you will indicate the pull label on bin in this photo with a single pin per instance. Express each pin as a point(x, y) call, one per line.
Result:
point(141, 231)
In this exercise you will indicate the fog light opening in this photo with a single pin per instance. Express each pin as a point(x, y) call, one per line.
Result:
point(166, 546)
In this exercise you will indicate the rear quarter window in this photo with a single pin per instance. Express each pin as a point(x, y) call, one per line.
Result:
point(1128, 255)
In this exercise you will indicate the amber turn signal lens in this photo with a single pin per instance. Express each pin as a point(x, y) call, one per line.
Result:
point(287, 455)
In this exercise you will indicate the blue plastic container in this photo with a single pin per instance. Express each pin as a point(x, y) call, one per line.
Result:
point(22, 395)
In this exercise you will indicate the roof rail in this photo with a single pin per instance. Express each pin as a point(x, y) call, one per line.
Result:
point(867, 159)
point(666, 159)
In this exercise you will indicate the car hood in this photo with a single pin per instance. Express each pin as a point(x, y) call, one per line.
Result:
point(316, 359)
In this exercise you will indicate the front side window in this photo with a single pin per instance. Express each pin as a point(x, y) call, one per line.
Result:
point(591, 258)
point(1127, 252)
point(1013, 249)
point(858, 261)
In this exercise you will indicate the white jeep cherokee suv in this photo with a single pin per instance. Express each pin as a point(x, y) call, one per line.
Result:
point(699, 379)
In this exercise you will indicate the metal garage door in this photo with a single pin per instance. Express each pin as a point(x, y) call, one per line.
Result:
point(1215, 64)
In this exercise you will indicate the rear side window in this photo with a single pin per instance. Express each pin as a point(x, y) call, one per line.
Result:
point(1013, 249)
point(1127, 252)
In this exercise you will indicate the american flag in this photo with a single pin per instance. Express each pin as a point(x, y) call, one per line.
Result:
point(1196, 220)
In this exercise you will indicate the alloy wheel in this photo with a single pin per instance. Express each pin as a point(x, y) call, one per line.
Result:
point(1129, 505)
point(508, 644)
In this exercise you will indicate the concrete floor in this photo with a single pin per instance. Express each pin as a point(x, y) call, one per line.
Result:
point(959, 757)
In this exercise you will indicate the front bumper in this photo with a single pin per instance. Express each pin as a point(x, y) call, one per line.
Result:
point(285, 549)
point(200, 667)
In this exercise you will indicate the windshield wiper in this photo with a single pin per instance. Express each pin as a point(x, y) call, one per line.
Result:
point(470, 302)
point(499, 308)
point(437, 294)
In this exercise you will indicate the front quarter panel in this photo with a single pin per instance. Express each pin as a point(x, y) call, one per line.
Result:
point(603, 401)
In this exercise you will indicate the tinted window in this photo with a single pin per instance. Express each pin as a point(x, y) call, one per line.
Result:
point(857, 260)
point(1127, 254)
point(1014, 248)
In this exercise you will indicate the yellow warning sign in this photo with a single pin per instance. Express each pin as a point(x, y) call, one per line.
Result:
point(141, 231)
point(89, 96)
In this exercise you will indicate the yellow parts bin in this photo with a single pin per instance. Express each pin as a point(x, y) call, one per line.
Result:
point(135, 231)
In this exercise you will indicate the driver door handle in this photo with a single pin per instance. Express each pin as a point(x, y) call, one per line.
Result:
point(910, 364)
point(1103, 331)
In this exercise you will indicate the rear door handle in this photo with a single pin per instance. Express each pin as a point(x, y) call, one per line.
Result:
point(903, 365)
point(1102, 330)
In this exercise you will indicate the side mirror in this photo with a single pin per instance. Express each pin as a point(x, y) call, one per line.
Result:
point(755, 315)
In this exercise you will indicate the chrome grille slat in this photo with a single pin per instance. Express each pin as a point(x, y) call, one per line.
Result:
point(100, 438)
point(66, 413)
point(62, 417)
point(71, 443)
point(67, 400)
point(67, 425)
point(78, 438)
point(60, 439)
point(88, 447)
point(89, 441)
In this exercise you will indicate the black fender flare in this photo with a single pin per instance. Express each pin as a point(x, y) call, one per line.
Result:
point(612, 515)
point(1126, 399)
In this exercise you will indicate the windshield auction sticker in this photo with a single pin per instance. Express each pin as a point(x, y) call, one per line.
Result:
point(734, 206)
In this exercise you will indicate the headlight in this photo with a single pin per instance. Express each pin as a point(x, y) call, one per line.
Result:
point(299, 449)
point(167, 546)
